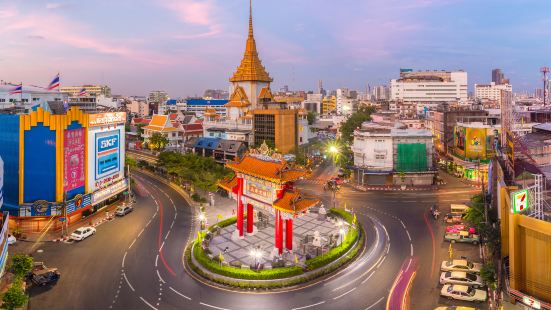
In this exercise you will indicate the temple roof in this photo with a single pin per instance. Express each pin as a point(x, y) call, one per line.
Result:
point(271, 170)
point(238, 99)
point(251, 68)
point(228, 183)
point(293, 202)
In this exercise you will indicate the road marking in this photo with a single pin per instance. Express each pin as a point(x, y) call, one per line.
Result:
point(409, 237)
point(350, 291)
point(388, 248)
point(172, 224)
point(159, 275)
point(310, 306)
point(175, 214)
point(161, 248)
point(379, 265)
point(156, 259)
point(123, 258)
point(148, 223)
point(207, 305)
point(411, 248)
point(147, 303)
point(141, 232)
point(403, 225)
point(132, 244)
point(168, 233)
point(366, 279)
point(175, 291)
point(373, 305)
point(386, 233)
point(128, 282)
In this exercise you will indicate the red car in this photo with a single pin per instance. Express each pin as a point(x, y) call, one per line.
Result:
point(460, 227)
point(453, 218)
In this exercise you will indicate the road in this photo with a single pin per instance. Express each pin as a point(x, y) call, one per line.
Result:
point(135, 262)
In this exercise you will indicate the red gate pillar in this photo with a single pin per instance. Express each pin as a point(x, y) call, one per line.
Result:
point(250, 218)
point(278, 232)
point(240, 206)
point(289, 235)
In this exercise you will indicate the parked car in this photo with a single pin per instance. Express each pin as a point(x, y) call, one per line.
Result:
point(462, 278)
point(460, 265)
point(123, 210)
point(460, 227)
point(462, 292)
point(11, 239)
point(83, 233)
point(462, 236)
point(452, 218)
point(459, 209)
point(41, 275)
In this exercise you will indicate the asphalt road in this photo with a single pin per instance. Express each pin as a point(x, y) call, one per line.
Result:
point(135, 262)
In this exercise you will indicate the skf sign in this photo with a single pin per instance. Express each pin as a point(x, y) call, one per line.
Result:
point(520, 201)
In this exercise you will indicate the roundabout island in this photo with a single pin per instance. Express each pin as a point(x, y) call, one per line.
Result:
point(283, 239)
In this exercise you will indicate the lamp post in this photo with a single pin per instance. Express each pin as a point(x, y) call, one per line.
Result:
point(202, 219)
point(256, 254)
point(341, 233)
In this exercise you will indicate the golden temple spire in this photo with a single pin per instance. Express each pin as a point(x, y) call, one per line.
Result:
point(251, 68)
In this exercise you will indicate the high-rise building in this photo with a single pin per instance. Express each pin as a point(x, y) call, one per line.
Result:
point(92, 90)
point(157, 96)
point(381, 92)
point(491, 91)
point(429, 86)
point(497, 76)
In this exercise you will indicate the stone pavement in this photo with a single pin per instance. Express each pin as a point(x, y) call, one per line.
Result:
point(237, 251)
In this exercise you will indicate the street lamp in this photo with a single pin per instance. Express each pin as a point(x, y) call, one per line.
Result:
point(202, 219)
point(341, 233)
point(333, 149)
point(256, 254)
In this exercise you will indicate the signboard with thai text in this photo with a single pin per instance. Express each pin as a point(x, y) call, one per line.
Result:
point(105, 119)
point(73, 159)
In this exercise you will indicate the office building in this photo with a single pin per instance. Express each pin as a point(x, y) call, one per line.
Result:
point(491, 91)
point(30, 97)
point(92, 90)
point(430, 86)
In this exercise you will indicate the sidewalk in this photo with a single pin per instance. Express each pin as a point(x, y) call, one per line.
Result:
point(93, 220)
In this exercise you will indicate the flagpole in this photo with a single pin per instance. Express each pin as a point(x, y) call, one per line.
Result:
point(21, 94)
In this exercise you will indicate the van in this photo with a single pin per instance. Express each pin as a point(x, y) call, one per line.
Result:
point(459, 209)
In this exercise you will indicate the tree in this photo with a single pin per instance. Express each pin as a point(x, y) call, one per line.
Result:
point(158, 141)
point(487, 273)
point(130, 161)
point(475, 214)
point(311, 117)
point(21, 264)
point(15, 296)
point(354, 121)
point(139, 130)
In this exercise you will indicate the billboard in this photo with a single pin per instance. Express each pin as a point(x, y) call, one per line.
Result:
point(105, 119)
point(1, 181)
point(73, 159)
point(459, 141)
point(520, 201)
point(475, 143)
point(107, 153)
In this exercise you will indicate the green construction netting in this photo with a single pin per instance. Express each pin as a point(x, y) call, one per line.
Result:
point(412, 157)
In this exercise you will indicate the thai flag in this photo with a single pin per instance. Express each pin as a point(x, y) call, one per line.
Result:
point(55, 83)
point(83, 92)
point(17, 90)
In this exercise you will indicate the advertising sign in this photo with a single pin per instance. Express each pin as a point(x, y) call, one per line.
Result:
point(107, 153)
point(475, 141)
point(104, 119)
point(73, 159)
point(1, 181)
point(459, 140)
point(520, 201)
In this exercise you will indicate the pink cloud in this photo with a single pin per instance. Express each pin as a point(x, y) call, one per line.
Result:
point(197, 13)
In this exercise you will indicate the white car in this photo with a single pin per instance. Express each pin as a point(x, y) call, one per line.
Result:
point(123, 210)
point(11, 239)
point(83, 233)
point(462, 292)
point(461, 277)
point(460, 265)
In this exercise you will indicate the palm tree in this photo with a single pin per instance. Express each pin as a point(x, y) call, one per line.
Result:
point(158, 141)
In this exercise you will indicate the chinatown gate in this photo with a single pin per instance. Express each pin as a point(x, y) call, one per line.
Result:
point(264, 183)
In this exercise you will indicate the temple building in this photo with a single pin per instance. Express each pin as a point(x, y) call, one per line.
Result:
point(252, 108)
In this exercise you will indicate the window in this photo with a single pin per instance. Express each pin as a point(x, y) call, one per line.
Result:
point(380, 156)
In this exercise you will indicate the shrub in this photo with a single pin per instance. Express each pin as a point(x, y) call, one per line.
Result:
point(15, 296)
point(21, 264)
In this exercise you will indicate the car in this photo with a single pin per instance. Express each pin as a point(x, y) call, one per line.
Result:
point(460, 227)
point(460, 265)
point(11, 239)
point(41, 275)
point(123, 210)
point(83, 233)
point(451, 218)
point(454, 308)
point(462, 292)
point(462, 278)
point(462, 236)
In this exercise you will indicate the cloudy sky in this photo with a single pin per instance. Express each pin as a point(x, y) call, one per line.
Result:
point(186, 46)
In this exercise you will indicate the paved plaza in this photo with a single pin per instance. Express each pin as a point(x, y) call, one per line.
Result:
point(305, 230)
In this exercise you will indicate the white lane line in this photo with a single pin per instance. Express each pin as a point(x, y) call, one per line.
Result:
point(148, 223)
point(145, 301)
point(350, 291)
point(175, 214)
point(156, 259)
point(388, 248)
point(159, 275)
point(172, 224)
point(168, 233)
point(141, 232)
point(403, 225)
point(123, 258)
point(161, 248)
point(309, 306)
point(409, 236)
point(175, 291)
point(373, 305)
point(128, 282)
point(386, 233)
point(132, 244)
point(411, 248)
point(211, 306)
point(379, 265)
point(366, 279)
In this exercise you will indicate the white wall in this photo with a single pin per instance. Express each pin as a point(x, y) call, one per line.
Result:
point(374, 152)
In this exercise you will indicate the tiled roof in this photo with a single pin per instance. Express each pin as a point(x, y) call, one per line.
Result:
point(193, 127)
point(274, 171)
point(207, 143)
point(160, 123)
point(293, 202)
point(173, 116)
point(228, 184)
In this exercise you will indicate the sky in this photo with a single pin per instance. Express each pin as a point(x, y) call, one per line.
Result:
point(187, 46)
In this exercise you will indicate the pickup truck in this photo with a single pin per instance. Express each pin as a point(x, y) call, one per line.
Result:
point(41, 275)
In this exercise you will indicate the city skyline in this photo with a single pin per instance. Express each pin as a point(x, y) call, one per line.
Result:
point(195, 45)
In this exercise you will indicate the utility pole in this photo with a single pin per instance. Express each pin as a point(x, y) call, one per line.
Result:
point(64, 227)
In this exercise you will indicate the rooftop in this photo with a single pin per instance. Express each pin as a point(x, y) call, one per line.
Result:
point(277, 171)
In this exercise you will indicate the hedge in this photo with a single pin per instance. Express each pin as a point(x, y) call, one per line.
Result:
point(246, 274)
